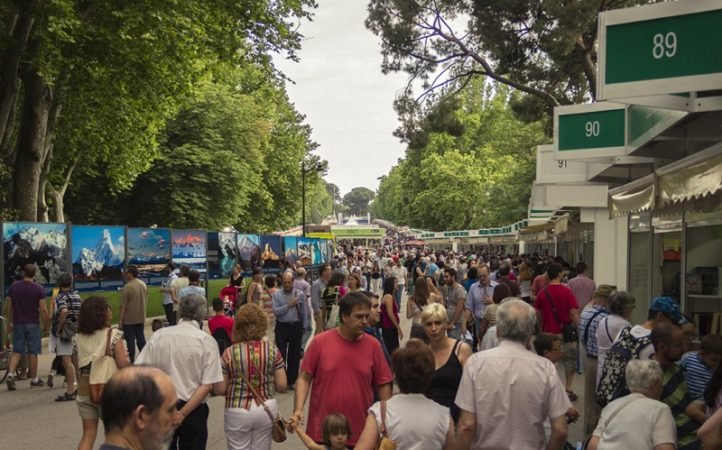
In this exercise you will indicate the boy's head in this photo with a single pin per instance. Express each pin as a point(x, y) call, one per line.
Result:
point(549, 346)
point(217, 305)
point(336, 430)
point(711, 350)
point(156, 325)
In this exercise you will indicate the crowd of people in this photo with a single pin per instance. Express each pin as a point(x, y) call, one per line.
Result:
point(479, 370)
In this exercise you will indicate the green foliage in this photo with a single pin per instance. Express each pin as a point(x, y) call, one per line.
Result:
point(357, 200)
point(475, 174)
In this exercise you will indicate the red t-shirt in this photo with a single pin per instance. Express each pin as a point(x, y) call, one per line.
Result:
point(226, 322)
point(564, 301)
point(344, 374)
point(539, 283)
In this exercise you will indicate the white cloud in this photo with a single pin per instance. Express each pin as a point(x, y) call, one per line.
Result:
point(345, 97)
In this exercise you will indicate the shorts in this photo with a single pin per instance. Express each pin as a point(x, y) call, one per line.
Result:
point(26, 339)
point(569, 356)
point(64, 348)
point(87, 409)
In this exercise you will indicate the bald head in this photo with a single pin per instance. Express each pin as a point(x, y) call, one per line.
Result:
point(287, 281)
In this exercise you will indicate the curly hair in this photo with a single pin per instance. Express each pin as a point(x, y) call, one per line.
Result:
point(250, 323)
point(93, 315)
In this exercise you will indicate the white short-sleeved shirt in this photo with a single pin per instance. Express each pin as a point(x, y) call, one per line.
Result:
point(511, 391)
point(607, 331)
point(643, 423)
point(188, 355)
point(414, 422)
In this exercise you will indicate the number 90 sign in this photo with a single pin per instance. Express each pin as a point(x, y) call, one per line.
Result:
point(592, 128)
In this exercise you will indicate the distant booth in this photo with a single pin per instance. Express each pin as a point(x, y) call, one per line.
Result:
point(358, 235)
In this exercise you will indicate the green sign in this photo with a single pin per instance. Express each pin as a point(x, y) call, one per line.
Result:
point(661, 49)
point(591, 130)
point(664, 48)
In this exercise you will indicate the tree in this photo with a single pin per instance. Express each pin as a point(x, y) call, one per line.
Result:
point(121, 69)
point(544, 49)
point(357, 200)
point(474, 169)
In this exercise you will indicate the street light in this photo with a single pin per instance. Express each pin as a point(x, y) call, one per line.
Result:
point(318, 167)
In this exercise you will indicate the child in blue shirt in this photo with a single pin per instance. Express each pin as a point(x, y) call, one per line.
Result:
point(699, 366)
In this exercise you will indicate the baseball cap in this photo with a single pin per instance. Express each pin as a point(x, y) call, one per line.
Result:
point(669, 307)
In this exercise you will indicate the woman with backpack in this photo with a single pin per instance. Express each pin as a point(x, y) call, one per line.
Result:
point(63, 329)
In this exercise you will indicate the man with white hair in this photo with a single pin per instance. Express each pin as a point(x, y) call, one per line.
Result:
point(189, 356)
point(520, 378)
point(638, 420)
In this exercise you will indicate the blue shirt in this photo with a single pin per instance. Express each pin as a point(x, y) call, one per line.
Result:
point(475, 299)
point(283, 312)
point(697, 373)
point(591, 316)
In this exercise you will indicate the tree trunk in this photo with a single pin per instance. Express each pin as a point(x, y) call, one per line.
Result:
point(48, 159)
point(31, 145)
point(20, 24)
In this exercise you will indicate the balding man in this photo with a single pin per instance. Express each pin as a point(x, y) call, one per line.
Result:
point(139, 410)
point(289, 307)
point(520, 378)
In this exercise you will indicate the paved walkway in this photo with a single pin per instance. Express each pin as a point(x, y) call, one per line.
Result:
point(30, 419)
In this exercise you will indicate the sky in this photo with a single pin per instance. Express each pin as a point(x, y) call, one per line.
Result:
point(346, 99)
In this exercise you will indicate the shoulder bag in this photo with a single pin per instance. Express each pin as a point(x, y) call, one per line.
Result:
point(384, 442)
point(569, 331)
point(279, 427)
point(102, 367)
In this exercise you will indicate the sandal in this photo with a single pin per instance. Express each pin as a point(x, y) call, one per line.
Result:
point(572, 396)
point(65, 397)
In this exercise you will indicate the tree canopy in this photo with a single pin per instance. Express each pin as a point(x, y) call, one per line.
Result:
point(469, 164)
point(357, 201)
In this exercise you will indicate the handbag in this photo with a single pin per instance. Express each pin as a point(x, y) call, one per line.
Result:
point(385, 443)
point(569, 331)
point(278, 431)
point(102, 367)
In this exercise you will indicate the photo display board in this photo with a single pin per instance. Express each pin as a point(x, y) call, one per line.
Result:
point(249, 251)
point(305, 251)
point(222, 254)
point(150, 250)
point(97, 253)
point(290, 249)
point(42, 244)
point(271, 251)
point(190, 248)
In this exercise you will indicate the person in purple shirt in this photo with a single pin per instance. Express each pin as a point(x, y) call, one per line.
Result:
point(26, 300)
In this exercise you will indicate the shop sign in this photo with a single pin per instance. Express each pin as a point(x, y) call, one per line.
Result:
point(589, 131)
point(551, 170)
point(665, 48)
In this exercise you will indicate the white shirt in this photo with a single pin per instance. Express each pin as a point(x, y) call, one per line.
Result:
point(414, 422)
point(188, 355)
point(607, 332)
point(511, 391)
point(640, 423)
point(399, 272)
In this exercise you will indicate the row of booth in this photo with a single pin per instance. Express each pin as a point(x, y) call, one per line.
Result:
point(632, 184)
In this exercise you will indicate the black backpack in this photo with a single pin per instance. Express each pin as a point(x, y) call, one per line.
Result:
point(222, 339)
point(613, 383)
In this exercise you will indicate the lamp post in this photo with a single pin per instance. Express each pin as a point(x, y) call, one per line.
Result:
point(318, 167)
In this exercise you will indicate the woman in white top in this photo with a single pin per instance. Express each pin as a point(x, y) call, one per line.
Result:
point(412, 421)
point(639, 420)
point(620, 307)
point(421, 297)
point(91, 339)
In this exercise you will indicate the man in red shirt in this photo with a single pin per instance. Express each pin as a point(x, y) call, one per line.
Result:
point(341, 368)
point(220, 319)
point(556, 306)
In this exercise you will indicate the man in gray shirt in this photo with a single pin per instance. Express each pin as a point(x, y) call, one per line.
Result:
point(289, 309)
point(454, 300)
point(316, 291)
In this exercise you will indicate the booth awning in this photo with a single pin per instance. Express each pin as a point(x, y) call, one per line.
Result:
point(533, 229)
point(692, 178)
point(633, 197)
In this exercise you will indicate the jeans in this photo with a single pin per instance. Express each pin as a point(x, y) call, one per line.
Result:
point(398, 294)
point(27, 337)
point(134, 333)
point(169, 313)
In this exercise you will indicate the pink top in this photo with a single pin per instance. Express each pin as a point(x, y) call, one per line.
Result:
point(385, 320)
point(344, 373)
point(583, 288)
point(528, 380)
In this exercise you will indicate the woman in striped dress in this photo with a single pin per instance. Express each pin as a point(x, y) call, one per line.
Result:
point(255, 360)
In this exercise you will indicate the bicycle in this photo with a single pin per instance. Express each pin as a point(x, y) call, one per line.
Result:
point(4, 349)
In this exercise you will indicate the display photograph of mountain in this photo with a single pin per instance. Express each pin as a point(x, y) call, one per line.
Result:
point(42, 244)
point(149, 250)
point(271, 251)
point(319, 251)
point(290, 250)
point(222, 254)
point(189, 248)
point(97, 255)
point(249, 251)
point(305, 251)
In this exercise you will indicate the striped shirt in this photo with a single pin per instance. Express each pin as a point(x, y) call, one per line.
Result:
point(588, 324)
point(697, 373)
point(259, 360)
point(675, 394)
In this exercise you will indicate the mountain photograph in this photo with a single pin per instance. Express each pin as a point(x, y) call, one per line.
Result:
point(42, 244)
point(98, 252)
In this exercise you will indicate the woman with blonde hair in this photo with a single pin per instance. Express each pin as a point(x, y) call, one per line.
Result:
point(421, 297)
point(251, 359)
point(450, 355)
